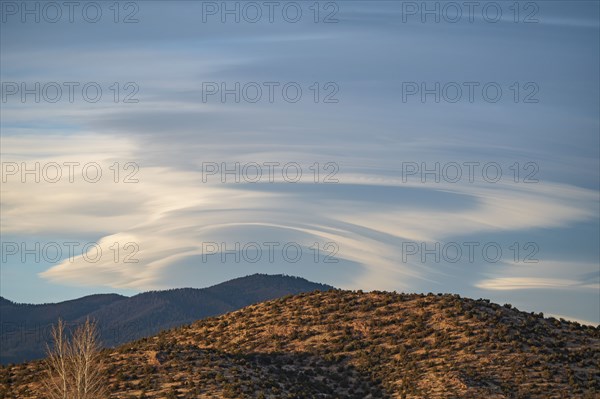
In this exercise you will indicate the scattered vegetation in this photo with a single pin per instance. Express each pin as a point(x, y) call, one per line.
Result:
point(342, 344)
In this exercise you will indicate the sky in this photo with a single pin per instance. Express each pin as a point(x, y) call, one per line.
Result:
point(380, 145)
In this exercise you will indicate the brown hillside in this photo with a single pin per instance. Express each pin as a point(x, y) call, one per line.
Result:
point(341, 344)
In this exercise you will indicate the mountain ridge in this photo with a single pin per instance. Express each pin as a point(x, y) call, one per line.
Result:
point(121, 319)
point(351, 344)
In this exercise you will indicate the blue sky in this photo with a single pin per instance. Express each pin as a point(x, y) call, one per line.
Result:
point(368, 139)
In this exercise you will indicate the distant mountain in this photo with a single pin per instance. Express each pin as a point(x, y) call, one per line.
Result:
point(343, 344)
point(25, 328)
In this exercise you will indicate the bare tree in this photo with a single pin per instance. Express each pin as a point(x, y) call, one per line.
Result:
point(74, 367)
point(58, 384)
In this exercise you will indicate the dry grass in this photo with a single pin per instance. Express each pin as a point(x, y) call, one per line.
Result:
point(342, 344)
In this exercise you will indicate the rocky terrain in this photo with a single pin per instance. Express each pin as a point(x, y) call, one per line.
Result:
point(342, 344)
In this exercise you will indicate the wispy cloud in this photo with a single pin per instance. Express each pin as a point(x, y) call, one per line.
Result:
point(369, 133)
point(171, 212)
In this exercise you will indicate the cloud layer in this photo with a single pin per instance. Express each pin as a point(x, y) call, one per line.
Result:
point(367, 140)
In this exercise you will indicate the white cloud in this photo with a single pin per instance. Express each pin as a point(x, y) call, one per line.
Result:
point(549, 274)
point(170, 212)
point(520, 283)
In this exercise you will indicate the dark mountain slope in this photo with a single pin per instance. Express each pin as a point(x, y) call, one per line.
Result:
point(48, 313)
point(25, 328)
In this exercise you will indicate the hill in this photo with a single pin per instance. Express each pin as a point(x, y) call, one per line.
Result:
point(25, 328)
point(341, 344)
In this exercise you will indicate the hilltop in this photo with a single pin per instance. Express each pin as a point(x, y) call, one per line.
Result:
point(25, 327)
point(342, 344)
